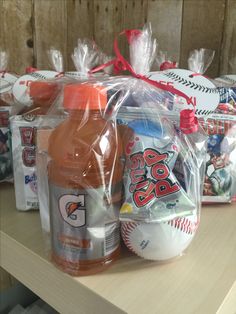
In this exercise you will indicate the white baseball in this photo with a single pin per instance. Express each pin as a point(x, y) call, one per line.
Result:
point(198, 88)
point(160, 241)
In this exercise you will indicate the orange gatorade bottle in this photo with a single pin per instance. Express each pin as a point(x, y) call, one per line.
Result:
point(43, 95)
point(85, 175)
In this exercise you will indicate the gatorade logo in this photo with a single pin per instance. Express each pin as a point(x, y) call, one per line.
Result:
point(72, 209)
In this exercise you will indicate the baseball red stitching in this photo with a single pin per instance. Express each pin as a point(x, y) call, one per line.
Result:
point(184, 224)
point(126, 229)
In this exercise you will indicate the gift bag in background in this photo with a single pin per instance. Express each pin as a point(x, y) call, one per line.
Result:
point(36, 91)
point(8, 107)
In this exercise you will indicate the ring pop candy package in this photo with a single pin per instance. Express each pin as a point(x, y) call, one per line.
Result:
point(85, 56)
point(8, 107)
point(162, 183)
point(37, 92)
point(164, 156)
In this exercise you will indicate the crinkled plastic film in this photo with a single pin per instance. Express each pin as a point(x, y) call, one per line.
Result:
point(56, 59)
point(142, 50)
point(227, 93)
point(119, 160)
point(164, 61)
point(37, 92)
point(200, 59)
point(85, 56)
point(89, 165)
point(219, 183)
point(7, 109)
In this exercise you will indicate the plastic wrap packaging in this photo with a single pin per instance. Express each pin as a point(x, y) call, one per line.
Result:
point(219, 183)
point(85, 173)
point(120, 140)
point(203, 96)
point(37, 91)
point(143, 49)
point(200, 59)
point(220, 168)
point(8, 107)
point(227, 89)
point(163, 176)
point(164, 62)
point(86, 56)
point(220, 178)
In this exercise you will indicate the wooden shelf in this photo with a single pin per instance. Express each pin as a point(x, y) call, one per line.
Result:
point(202, 281)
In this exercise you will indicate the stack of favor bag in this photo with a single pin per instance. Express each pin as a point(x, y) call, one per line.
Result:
point(109, 157)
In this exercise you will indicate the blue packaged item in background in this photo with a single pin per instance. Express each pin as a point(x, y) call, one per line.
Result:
point(220, 181)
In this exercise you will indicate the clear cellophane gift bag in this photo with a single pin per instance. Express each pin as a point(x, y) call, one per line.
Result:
point(121, 156)
point(36, 92)
point(8, 107)
point(164, 162)
point(165, 62)
point(220, 178)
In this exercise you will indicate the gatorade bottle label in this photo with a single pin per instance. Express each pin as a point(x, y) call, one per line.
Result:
point(80, 231)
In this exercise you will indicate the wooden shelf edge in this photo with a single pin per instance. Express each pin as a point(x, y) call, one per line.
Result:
point(228, 306)
point(62, 292)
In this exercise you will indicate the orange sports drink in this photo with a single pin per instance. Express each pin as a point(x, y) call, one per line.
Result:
point(85, 180)
point(43, 94)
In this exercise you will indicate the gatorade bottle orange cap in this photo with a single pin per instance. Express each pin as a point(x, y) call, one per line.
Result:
point(43, 92)
point(82, 96)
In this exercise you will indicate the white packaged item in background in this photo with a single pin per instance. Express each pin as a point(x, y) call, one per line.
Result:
point(23, 130)
point(24, 133)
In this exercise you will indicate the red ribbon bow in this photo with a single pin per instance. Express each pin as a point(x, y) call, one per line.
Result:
point(188, 120)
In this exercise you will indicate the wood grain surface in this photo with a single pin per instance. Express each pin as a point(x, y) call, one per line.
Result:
point(200, 282)
point(28, 28)
point(228, 56)
point(166, 20)
point(6, 280)
point(202, 28)
point(16, 33)
point(80, 24)
point(50, 30)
